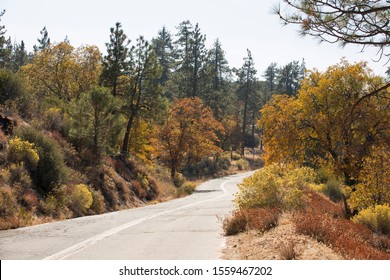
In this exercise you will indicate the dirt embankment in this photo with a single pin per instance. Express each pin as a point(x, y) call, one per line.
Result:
point(279, 243)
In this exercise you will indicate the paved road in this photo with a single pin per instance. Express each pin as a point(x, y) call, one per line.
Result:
point(187, 228)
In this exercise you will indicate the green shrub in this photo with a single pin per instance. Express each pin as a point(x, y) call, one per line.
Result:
point(376, 218)
point(186, 189)
point(207, 167)
point(178, 180)
point(53, 119)
point(11, 86)
point(236, 156)
point(242, 164)
point(333, 190)
point(323, 175)
point(49, 205)
point(51, 168)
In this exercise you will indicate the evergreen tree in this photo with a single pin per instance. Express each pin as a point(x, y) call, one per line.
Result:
point(20, 56)
point(270, 76)
point(2, 41)
point(44, 41)
point(116, 62)
point(183, 73)
point(163, 46)
point(215, 80)
point(197, 60)
point(247, 79)
point(289, 77)
point(5, 47)
point(93, 125)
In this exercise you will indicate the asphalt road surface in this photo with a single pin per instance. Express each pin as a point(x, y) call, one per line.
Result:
point(180, 229)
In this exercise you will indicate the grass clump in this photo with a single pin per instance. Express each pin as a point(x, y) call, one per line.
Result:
point(287, 251)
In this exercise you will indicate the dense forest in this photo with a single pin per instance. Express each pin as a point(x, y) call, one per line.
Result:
point(85, 131)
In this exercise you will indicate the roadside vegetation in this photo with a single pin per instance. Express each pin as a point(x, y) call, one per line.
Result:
point(327, 150)
point(83, 133)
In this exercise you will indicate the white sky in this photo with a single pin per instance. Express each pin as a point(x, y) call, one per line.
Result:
point(240, 25)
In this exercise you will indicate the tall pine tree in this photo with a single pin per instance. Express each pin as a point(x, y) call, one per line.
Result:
point(246, 75)
point(116, 62)
point(44, 41)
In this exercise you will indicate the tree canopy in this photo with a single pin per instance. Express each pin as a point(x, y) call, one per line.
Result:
point(359, 22)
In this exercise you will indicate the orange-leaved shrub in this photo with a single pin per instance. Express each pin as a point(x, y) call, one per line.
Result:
point(324, 221)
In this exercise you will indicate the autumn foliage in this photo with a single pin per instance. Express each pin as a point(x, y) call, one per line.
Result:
point(335, 121)
point(189, 134)
point(329, 121)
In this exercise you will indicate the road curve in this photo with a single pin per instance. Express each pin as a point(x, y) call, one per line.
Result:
point(186, 228)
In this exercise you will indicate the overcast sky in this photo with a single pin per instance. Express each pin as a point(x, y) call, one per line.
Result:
point(240, 25)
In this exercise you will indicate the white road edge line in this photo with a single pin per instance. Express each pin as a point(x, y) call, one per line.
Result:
point(90, 241)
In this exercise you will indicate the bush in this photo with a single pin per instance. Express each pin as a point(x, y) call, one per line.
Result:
point(18, 175)
point(98, 205)
point(374, 181)
point(207, 167)
point(53, 119)
point(242, 164)
point(178, 180)
point(51, 168)
point(11, 86)
point(323, 175)
point(8, 203)
point(235, 223)
point(236, 156)
point(259, 219)
point(20, 151)
point(375, 218)
point(275, 186)
point(186, 189)
point(333, 190)
point(49, 205)
point(80, 199)
point(352, 240)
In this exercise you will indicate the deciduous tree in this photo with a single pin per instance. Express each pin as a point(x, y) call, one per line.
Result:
point(189, 134)
point(63, 72)
point(320, 124)
point(143, 95)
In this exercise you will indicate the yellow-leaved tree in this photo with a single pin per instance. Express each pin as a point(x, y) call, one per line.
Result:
point(62, 71)
point(332, 120)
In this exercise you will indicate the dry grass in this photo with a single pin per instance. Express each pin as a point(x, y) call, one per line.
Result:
point(287, 251)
